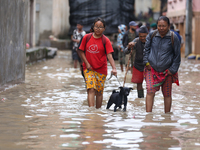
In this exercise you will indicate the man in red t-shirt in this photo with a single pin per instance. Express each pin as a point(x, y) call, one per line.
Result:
point(94, 55)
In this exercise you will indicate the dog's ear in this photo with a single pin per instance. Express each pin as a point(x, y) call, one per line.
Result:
point(130, 88)
point(121, 87)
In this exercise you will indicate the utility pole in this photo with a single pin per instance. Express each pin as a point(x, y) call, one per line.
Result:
point(188, 30)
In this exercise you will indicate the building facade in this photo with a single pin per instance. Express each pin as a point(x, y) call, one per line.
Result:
point(47, 17)
point(142, 8)
point(176, 11)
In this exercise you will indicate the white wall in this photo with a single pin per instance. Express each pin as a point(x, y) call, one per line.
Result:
point(60, 17)
point(43, 21)
point(51, 17)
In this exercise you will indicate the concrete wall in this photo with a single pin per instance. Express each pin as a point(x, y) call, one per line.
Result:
point(51, 18)
point(43, 20)
point(13, 29)
point(31, 33)
point(60, 17)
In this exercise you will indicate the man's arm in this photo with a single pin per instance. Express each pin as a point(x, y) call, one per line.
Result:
point(73, 38)
point(127, 50)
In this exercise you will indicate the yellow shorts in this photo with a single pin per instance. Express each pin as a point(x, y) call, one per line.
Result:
point(94, 80)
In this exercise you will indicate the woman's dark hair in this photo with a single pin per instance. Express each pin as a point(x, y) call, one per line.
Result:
point(92, 28)
point(100, 19)
point(165, 19)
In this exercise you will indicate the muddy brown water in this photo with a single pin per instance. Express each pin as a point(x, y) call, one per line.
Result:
point(49, 111)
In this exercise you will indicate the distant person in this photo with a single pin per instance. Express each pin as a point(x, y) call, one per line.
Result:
point(138, 27)
point(126, 28)
point(138, 45)
point(76, 37)
point(182, 41)
point(95, 49)
point(162, 60)
point(172, 29)
point(129, 36)
point(153, 27)
point(121, 56)
point(148, 26)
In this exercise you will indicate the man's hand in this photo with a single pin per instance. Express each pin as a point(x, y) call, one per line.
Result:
point(131, 45)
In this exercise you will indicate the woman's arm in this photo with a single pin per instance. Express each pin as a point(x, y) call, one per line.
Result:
point(84, 59)
point(112, 62)
point(177, 56)
point(147, 49)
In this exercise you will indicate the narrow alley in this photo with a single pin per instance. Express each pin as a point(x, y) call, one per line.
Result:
point(50, 111)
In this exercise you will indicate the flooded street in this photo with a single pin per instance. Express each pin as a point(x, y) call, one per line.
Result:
point(50, 111)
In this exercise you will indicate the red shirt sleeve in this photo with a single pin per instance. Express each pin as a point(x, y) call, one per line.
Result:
point(83, 42)
point(109, 48)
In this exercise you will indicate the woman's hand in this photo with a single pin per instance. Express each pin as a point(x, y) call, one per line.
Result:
point(88, 66)
point(112, 62)
point(114, 72)
point(149, 67)
point(169, 73)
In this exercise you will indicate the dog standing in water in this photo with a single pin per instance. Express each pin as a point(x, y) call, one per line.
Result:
point(119, 98)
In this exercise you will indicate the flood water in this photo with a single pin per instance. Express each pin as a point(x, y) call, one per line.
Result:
point(49, 112)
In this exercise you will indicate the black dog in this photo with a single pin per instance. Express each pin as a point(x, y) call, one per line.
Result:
point(119, 98)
